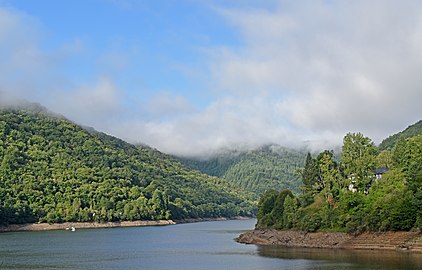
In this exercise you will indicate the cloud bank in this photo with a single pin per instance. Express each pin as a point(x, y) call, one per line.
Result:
point(305, 71)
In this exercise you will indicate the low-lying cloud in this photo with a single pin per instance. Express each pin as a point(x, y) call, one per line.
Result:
point(307, 71)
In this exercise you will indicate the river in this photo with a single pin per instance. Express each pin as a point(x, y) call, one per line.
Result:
point(201, 246)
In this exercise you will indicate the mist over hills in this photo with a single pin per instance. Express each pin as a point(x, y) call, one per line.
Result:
point(267, 167)
point(52, 170)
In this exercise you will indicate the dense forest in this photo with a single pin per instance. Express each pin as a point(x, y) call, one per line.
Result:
point(259, 170)
point(52, 170)
point(367, 190)
point(217, 164)
point(410, 131)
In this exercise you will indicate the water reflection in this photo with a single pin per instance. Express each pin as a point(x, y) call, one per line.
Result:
point(347, 259)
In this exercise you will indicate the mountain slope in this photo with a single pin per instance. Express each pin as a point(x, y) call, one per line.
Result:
point(410, 131)
point(216, 165)
point(52, 170)
point(269, 167)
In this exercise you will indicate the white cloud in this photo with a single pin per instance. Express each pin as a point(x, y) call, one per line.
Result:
point(338, 66)
point(168, 105)
point(90, 103)
point(306, 71)
point(33, 74)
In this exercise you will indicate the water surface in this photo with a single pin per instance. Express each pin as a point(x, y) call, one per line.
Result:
point(205, 245)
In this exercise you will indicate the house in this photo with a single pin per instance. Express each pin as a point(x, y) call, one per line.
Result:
point(379, 172)
point(376, 176)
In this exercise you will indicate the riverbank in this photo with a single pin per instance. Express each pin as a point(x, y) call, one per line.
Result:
point(91, 225)
point(401, 241)
point(82, 225)
point(193, 220)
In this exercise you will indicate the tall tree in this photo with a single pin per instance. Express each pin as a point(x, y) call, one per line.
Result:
point(408, 155)
point(358, 159)
point(310, 172)
point(329, 175)
point(310, 176)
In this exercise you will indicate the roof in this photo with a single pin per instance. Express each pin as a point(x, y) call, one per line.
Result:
point(381, 170)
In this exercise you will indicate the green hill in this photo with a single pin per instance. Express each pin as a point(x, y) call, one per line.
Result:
point(352, 195)
point(216, 165)
point(52, 170)
point(269, 167)
point(410, 131)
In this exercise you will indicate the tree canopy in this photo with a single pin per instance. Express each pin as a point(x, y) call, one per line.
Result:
point(259, 170)
point(348, 196)
point(52, 170)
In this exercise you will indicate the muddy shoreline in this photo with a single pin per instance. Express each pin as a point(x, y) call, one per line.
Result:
point(91, 225)
point(82, 225)
point(399, 241)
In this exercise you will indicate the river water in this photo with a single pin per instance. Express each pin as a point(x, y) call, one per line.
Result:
point(205, 245)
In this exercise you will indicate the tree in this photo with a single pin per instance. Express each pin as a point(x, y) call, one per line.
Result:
point(266, 206)
point(408, 155)
point(384, 159)
point(309, 172)
point(358, 160)
point(330, 178)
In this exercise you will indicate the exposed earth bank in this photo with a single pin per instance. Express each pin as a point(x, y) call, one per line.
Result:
point(404, 241)
point(82, 225)
point(90, 225)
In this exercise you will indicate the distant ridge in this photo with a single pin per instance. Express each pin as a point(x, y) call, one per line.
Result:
point(410, 131)
point(267, 167)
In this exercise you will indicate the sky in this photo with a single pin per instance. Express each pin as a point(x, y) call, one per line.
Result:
point(191, 77)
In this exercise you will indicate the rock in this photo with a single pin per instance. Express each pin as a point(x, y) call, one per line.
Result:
point(404, 241)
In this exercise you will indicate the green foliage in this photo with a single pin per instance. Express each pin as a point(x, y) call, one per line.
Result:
point(358, 160)
point(216, 165)
point(271, 208)
point(408, 155)
point(327, 202)
point(269, 167)
point(410, 131)
point(52, 170)
point(310, 172)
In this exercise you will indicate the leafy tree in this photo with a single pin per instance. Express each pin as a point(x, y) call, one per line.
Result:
point(268, 167)
point(384, 159)
point(409, 132)
point(266, 206)
point(330, 178)
point(393, 202)
point(358, 160)
point(52, 170)
point(408, 155)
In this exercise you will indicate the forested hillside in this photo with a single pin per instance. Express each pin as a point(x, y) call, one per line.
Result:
point(368, 190)
point(52, 170)
point(215, 165)
point(269, 167)
point(410, 131)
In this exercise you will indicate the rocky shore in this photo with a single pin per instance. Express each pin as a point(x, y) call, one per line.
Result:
point(403, 241)
point(82, 225)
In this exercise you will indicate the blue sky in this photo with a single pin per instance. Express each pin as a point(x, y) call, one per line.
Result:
point(190, 77)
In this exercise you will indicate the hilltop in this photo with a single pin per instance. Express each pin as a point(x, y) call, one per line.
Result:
point(53, 170)
point(267, 167)
point(410, 131)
